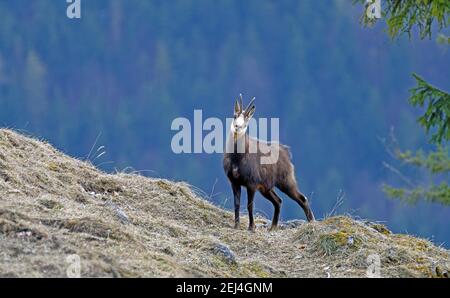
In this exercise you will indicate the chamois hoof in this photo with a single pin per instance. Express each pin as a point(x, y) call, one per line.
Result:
point(252, 229)
point(237, 226)
point(310, 215)
point(273, 228)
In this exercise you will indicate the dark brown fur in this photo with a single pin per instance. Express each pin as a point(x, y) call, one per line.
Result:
point(245, 169)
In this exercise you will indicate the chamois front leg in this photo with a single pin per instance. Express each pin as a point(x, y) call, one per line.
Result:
point(250, 197)
point(237, 203)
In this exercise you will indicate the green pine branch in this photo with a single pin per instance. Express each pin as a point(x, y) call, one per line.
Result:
point(436, 161)
point(436, 193)
point(437, 114)
point(403, 16)
point(436, 121)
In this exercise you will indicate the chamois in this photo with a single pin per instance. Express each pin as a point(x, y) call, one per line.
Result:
point(244, 167)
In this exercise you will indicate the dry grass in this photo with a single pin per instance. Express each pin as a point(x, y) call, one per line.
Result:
point(52, 206)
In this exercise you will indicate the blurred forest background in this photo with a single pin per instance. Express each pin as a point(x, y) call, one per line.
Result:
point(119, 76)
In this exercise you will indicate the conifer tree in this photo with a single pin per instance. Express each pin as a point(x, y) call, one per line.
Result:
point(425, 15)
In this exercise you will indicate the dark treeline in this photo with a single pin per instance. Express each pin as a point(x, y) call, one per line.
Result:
point(128, 68)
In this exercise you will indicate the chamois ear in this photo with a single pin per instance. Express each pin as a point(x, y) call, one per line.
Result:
point(250, 110)
point(237, 108)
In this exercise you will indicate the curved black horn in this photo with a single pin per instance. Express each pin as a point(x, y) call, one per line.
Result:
point(241, 101)
point(237, 107)
point(251, 104)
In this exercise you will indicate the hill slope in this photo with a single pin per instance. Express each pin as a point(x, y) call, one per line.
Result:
point(124, 225)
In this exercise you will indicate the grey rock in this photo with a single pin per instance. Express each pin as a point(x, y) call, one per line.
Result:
point(291, 224)
point(225, 252)
point(121, 215)
point(350, 240)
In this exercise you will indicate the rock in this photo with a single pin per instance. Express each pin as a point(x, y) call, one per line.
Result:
point(380, 228)
point(225, 252)
point(168, 251)
point(443, 273)
point(350, 240)
point(123, 217)
point(291, 224)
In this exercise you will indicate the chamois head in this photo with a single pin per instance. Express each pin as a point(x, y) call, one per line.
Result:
point(241, 117)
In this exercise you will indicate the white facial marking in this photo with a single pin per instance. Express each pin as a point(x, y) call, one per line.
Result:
point(239, 126)
point(232, 128)
point(240, 121)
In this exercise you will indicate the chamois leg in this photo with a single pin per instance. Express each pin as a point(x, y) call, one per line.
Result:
point(304, 203)
point(250, 196)
point(237, 203)
point(292, 191)
point(275, 216)
point(276, 201)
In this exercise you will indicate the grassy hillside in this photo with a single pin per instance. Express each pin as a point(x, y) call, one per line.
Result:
point(126, 225)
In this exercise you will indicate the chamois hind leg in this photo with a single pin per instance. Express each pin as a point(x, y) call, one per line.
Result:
point(276, 201)
point(250, 196)
point(290, 189)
